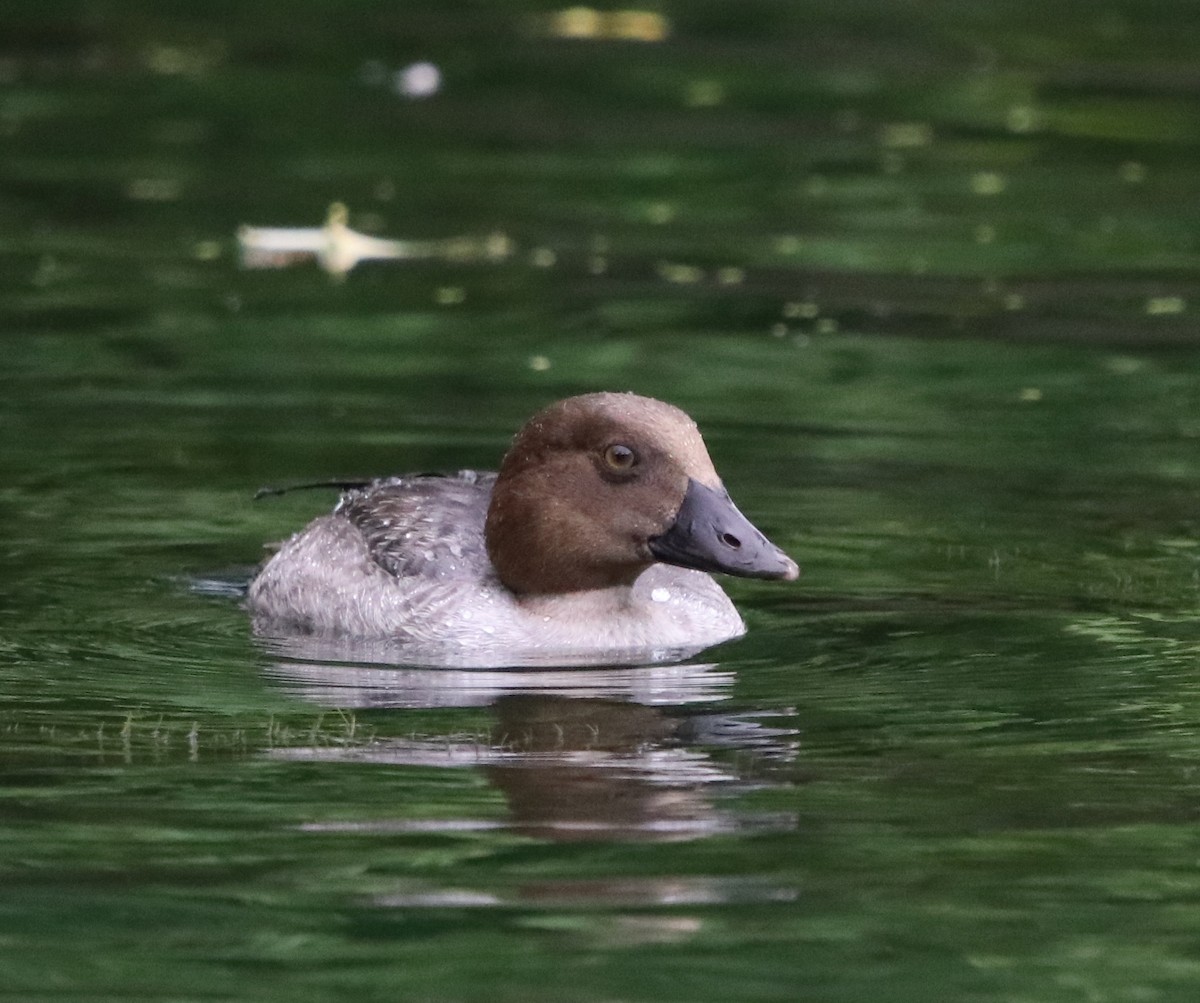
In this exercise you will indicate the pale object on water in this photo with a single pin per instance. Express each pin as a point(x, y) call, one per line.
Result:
point(419, 80)
point(337, 248)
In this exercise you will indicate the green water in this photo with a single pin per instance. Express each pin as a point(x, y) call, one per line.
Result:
point(927, 276)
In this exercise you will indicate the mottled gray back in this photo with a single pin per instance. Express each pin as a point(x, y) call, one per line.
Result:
point(425, 526)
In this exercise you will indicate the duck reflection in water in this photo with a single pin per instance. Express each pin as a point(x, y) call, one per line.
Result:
point(615, 769)
point(620, 753)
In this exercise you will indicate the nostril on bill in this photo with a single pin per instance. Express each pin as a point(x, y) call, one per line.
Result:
point(731, 541)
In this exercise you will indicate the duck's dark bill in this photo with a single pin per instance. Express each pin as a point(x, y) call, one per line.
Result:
point(710, 534)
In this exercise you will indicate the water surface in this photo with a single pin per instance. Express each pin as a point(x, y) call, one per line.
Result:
point(927, 279)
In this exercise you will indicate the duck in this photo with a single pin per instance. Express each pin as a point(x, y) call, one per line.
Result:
point(598, 534)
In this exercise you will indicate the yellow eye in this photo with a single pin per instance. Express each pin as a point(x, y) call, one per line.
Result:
point(620, 457)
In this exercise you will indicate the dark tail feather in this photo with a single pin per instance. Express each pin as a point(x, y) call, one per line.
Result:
point(269, 492)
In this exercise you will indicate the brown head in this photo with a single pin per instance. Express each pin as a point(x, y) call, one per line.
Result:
point(597, 488)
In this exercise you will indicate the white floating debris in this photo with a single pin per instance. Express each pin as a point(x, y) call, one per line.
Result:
point(337, 248)
point(419, 80)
